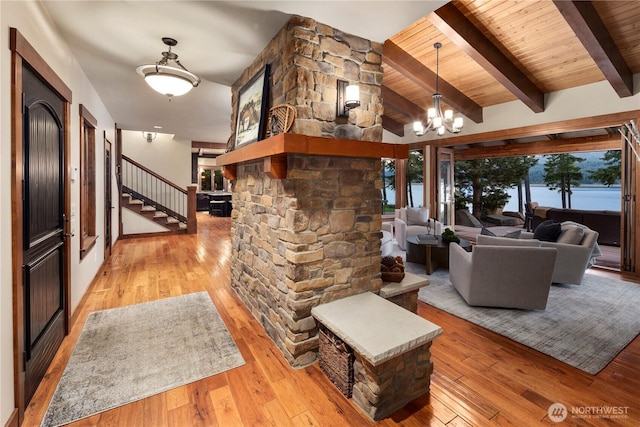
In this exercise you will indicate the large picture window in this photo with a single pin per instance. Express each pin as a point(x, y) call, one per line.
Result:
point(88, 126)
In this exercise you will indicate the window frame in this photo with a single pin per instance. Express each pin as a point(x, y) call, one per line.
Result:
point(88, 125)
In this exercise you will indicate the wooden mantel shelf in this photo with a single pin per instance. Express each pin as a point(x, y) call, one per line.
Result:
point(274, 151)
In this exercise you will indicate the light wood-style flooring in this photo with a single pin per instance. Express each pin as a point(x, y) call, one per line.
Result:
point(480, 378)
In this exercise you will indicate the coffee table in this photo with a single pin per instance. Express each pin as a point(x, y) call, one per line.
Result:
point(433, 254)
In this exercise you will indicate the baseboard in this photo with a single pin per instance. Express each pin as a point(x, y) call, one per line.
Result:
point(13, 419)
point(154, 234)
point(76, 312)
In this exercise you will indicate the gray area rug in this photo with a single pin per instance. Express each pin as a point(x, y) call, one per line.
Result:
point(585, 326)
point(129, 353)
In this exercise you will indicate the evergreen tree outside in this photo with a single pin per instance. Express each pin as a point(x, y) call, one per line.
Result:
point(415, 169)
point(415, 165)
point(562, 173)
point(483, 182)
point(611, 172)
point(388, 181)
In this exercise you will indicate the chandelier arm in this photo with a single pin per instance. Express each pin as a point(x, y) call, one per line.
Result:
point(197, 79)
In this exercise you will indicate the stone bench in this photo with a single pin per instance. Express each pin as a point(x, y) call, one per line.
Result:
point(392, 363)
point(404, 293)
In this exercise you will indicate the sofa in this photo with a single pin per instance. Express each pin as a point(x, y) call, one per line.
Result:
point(515, 276)
point(605, 223)
point(575, 252)
point(413, 221)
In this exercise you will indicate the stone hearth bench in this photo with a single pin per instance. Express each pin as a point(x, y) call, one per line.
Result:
point(404, 293)
point(392, 363)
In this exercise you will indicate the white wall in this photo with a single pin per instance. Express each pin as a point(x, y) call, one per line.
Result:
point(35, 26)
point(165, 155)
point(132, 223)
point(168, 157)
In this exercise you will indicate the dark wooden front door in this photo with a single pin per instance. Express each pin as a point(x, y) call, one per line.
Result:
point(43, 228)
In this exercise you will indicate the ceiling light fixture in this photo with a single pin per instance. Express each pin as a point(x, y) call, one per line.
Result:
point(149, 136)
point(168, 79)
point(435, 119)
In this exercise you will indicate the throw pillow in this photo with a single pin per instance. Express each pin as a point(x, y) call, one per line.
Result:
point(486, 232)
point(417, 216)
point(570, 234)
point(547, 231)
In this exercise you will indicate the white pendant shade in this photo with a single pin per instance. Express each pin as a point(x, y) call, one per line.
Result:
point(167, 79)
point(167, 84)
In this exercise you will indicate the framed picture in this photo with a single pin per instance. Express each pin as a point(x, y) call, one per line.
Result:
point(251, 112)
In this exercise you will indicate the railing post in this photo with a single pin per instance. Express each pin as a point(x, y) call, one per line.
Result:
point(192, 222)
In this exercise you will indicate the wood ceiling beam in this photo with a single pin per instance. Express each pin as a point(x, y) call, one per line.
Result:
point(393, 126)
point(587, 25)
point(593, 122)
point(453, 24)
point(401, 104)
point(595, 143)
point(415, 71)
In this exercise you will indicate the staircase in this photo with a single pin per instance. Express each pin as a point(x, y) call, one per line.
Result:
point(154, 197)
point(149, 212)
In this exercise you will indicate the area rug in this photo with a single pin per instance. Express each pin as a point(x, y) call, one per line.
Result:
point(129, 353)
point(585, 326)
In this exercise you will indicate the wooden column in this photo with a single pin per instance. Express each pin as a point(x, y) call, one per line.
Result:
point(401, 183)
point(192, 222)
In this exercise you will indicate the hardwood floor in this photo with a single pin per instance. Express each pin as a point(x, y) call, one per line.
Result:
point(480, 378)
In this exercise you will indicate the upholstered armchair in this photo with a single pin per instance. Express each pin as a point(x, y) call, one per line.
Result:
point(515, 276)
point(413, 221)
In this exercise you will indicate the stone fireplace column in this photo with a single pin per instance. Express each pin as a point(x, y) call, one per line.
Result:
point(305, 240)
point(310, 233)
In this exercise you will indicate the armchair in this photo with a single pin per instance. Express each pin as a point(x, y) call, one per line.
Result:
point(502, 276)
point(413, 221)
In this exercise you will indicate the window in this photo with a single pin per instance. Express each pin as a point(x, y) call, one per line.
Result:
point(88, 126)
point(388, 173)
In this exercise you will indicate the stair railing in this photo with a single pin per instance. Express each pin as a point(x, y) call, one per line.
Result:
point(144, 184)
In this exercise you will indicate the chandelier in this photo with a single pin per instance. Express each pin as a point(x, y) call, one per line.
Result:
point(169, 80)
point(436, 120)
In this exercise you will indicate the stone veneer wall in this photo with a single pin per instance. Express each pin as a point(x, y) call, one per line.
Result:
point(307, 58)
point(305, 240)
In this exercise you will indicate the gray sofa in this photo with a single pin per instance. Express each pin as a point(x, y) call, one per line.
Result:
point(516, 276)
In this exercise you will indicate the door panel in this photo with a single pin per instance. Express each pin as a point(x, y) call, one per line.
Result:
point(43, 233)
point(445, 187)
point(630, 162)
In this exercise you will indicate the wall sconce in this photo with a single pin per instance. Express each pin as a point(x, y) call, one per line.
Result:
point(149, 136)
point(348, 98)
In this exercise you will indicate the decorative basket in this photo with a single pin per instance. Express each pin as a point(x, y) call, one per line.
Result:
point(336, 361)
point(392, 269)
point(280, 119)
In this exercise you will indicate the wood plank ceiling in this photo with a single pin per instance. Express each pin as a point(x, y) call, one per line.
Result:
point(496, 51)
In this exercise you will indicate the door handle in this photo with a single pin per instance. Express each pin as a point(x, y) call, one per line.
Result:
point(69, 234)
